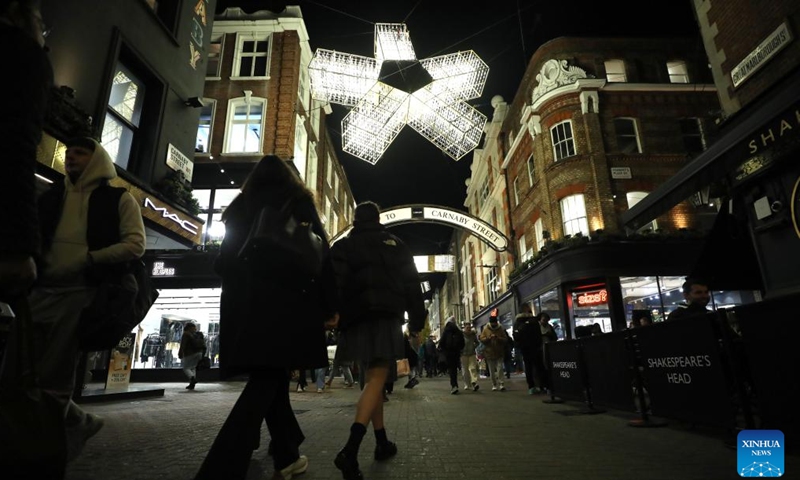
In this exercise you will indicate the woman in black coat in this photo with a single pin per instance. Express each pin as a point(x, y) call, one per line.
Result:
point(270, 322)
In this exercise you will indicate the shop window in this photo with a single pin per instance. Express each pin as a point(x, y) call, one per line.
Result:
point(692, 134)
point(252, 55)
point(573, 213)
point(300, 146)
point(163, 326)
point(125, 105)
point(590, 307)
point(244, 125)
point(634, 198)
point(677, 72)
point(548, 303)
point(615, 71)
point(203, 142)
point(627, 135)
point(214, 58)
point(539, 234)
point(563, 142)
point(531, 171)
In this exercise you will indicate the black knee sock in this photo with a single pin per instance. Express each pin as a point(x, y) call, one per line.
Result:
point(380, 437)
point(357, 432)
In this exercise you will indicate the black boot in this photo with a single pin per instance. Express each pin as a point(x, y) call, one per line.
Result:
point(348, 464)
point(192, 383)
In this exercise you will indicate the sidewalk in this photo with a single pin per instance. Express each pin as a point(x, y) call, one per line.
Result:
point(472, 435)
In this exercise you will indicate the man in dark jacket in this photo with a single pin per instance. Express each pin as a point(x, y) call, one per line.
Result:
point(528, 337)
point(371, 281)
point(695, 292)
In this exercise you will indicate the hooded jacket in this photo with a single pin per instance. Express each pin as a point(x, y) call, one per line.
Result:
point(64, 256)
point(527, 332)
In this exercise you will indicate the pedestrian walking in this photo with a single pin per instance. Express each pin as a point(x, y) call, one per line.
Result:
point(528, 337)
point(451, 344)
point(469, 359)
point(192, 349)
point(375, 282)
point(494, 337)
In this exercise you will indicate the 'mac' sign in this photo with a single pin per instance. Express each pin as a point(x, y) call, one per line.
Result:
point(597, 297)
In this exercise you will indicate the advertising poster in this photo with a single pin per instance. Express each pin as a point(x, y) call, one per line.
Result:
point(120, 362)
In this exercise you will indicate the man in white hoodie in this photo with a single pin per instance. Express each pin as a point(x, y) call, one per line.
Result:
point(90, 232)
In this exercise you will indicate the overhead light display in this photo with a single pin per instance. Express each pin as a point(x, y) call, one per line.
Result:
point(394, 89)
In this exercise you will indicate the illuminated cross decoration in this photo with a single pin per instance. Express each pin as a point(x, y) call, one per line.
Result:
point(394, 89)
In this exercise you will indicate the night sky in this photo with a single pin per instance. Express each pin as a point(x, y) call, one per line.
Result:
point(505, 36)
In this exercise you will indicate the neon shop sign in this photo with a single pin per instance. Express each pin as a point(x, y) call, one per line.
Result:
point(597, 297)
point(184, 224)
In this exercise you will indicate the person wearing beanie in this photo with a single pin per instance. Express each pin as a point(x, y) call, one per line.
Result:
point(469, 360)
point(370, 281)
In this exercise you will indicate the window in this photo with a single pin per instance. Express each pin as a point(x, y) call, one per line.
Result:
point(245, 124)
point(312, 167)
point(516, 191)
point(300, 146)
point(634, 198)
point(692, 134)
point(212, 204)
point(524, 253)
point(563, 144)
point(615, 71)
point(166, 11)
point(123, 115)
point(203, 143)
point(627, 135)
point(334, 223)
point(538, 231)
point(252, 55)
point(573, 213)
point(329, 173)
point(485, 190)
point(531, 171)
point(215, 56)
point(492, 285)
point(677, 72)
point(327, 213)
point(336, 186)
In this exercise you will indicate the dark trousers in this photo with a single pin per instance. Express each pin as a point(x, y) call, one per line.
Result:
point(535, 372)
point(265, 397)
point(452, 368)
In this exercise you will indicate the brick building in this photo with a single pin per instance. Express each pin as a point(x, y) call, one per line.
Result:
point(596, 125)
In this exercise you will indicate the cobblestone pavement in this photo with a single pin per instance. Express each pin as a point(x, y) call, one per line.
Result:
point(472, 435)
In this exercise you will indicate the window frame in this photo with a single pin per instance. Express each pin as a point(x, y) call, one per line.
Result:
point(698, 135)
point(568, 204)
point(632, 121)
point(126, 125)
point(538, 232)
point(492, 284)
point(221, 37)
point(232, 104)
point(632, 198)
point(678, 71)
point(530, 163)
point(567, 143)
point(213, 103)
point(616, 75)
point(516, 191)
point(241, 38)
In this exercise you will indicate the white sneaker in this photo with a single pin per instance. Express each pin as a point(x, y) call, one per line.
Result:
point(466, 387)
point(299, 466)
point(494, 389)
point(502, 388)
point(320, 390)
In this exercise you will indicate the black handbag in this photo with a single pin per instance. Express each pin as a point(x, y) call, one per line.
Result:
point(280, 246)
point(117, 307)
point(32, 434)
point(204, 363)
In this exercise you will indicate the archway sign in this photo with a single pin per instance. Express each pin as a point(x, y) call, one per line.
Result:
point(444, 216)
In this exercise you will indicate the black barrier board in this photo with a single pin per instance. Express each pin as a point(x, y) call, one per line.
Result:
point(770, 332)
point(683, 372)
point(608, 373)
point(566, 369)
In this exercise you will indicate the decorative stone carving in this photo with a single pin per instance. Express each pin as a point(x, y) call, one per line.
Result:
point(554, 74)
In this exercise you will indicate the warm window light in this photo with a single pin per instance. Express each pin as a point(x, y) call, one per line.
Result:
point(436, 108)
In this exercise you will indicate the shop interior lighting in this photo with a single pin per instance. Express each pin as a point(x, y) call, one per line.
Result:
point(429, 95)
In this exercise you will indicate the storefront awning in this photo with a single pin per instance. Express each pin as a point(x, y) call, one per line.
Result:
point(719, 160)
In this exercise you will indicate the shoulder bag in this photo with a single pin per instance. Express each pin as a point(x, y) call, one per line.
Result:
point(280, 246)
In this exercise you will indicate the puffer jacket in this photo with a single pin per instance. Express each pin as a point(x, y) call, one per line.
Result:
point(371, 274)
